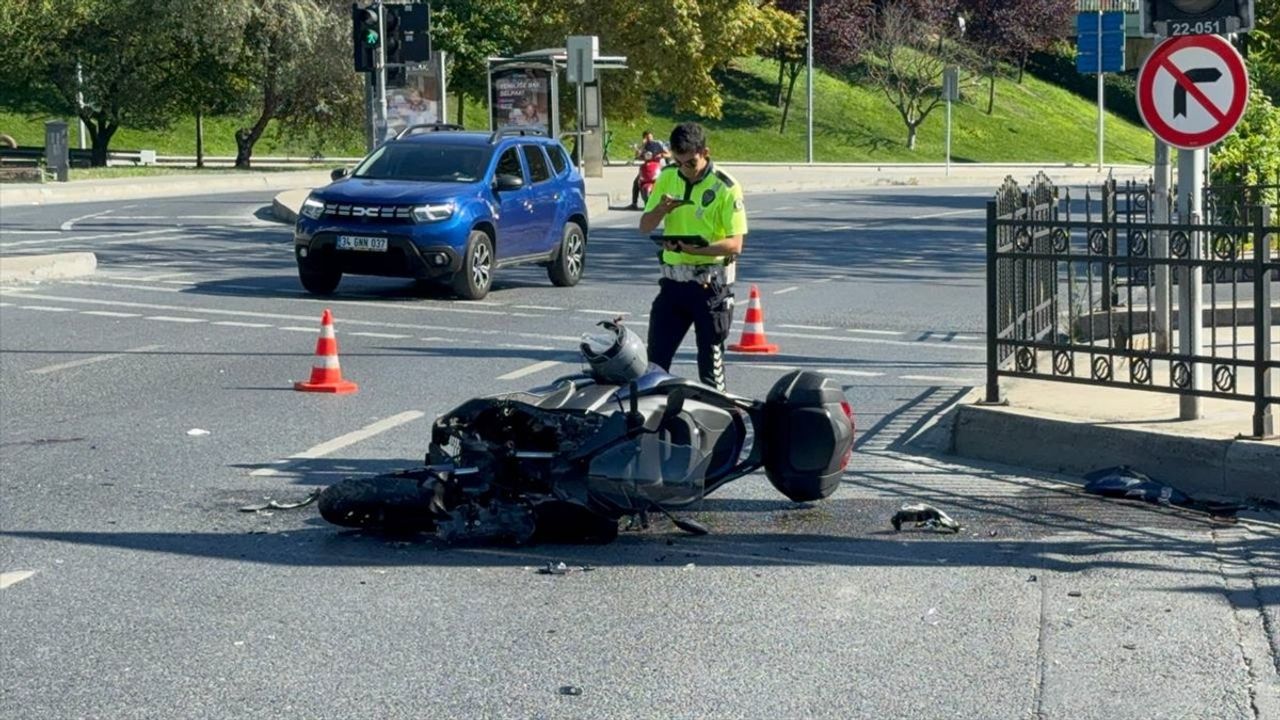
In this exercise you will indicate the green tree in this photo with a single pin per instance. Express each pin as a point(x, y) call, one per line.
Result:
point(122, 51)
point(471, 32)
point(1250, 156)
point(296, 58)
point(1262, 47)
point(671, 46)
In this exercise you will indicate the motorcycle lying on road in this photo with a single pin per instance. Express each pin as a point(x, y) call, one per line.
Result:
point(567, 462)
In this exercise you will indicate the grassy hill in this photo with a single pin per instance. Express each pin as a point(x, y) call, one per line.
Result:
point(1032, 122)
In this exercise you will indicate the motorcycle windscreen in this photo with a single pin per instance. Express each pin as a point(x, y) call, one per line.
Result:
point(635, 475)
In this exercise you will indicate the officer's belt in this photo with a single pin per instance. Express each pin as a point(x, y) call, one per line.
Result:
point(695, 273)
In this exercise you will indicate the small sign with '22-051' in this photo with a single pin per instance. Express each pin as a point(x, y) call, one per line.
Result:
point(1208, 26)
point(357, 242)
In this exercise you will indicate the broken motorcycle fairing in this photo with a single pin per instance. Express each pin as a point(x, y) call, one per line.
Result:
point(567, 461)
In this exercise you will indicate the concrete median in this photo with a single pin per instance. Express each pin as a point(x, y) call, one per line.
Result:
point(17, 269)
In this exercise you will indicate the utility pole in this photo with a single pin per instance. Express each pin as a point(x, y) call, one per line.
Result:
point(1190, 337)
point(1101, 88)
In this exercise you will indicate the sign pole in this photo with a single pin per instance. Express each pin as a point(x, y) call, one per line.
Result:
point(1100, 88)
point(1160, 245)
point(1190, 278)
point(948, 136)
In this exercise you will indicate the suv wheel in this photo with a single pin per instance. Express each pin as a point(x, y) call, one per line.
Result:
point(566, 269)
point(472, 280)
point(322, 281)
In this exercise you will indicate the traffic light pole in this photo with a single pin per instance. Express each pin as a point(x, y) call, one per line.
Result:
point(381, 70)
point(1101, 89)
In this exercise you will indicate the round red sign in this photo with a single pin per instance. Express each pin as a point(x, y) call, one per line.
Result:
point(1192, 90)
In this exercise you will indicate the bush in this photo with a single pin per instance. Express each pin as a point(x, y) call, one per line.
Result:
point(1058, 66)
point(1250, 156)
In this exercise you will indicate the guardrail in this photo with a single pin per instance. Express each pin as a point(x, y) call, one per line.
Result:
point(1049, 267)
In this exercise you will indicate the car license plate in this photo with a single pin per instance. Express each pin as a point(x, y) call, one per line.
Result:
point(357, 242)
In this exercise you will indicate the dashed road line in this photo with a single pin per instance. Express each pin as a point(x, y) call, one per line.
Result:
point(66, 226)
point(529, 369)
point(14, 577)
point(92, 360)
point(384, 336)
point(537, 307)
point(81, 238)
point(174, 319)
point(343, 441)
point(143, 241)
point(873, 332)
point(784, 291)
point(614, 313)
point(234, 323)
point(936, 378)
point(803, 327)
point(110, 314)
point(45, 308)
point(294, 328)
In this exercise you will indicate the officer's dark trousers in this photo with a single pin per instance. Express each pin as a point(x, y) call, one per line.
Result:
point(679, 305)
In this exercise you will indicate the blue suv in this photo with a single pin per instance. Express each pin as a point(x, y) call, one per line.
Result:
point(442, 204)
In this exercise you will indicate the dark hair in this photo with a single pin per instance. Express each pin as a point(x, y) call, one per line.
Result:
point(688, 137)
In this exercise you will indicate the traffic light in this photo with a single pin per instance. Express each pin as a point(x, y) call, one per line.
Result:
point(409, 30)
point(1169, 18)
point(365, 37)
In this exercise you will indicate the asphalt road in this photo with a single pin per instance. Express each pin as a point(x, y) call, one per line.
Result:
point(143, 405)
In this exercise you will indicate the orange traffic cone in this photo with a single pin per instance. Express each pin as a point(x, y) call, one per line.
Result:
point(326, 375)
point(753, 340)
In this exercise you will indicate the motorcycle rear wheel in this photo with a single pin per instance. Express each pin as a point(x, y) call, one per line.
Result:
point(394, 503)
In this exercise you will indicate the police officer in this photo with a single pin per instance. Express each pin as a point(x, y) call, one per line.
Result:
point(694, 198)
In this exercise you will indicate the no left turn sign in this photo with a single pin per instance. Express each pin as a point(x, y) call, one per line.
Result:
point(1192, 90)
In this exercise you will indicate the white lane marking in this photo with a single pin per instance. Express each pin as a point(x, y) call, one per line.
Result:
point(936, 378)
point(822, 280)
point(342, 441)
point(45, 308)
point(385, 336)
point(108, 313)
point(143, 241)
point(529, 370)
point(803, 327)
point(784, 208)
point(839, 228)
point(91, 360)
point(6, 304)
point(949, 213)
point(6, 231)
point(544, 337)
point(121, 286)
point(170, 275)
point(614, 313)
point(873, 332)
point(853, 373)
point(294, 328)
point(878, 341)
point(81, 238)
point(233, 323)
point(521, 346)
point(66, 226)
point(14, 577)
point(537, 307)
point(231, 219)
point(183, 283)
point(172, 319)
point(784, 291)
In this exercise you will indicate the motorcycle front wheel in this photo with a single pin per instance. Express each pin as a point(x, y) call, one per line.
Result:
point(395, 503)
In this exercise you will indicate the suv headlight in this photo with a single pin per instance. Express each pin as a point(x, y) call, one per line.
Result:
point(312, 208)
point(433, 213)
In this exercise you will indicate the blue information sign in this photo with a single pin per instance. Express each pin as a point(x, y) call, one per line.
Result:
point(1100, 52)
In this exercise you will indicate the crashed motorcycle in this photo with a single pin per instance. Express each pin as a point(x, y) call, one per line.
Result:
point(573, 460)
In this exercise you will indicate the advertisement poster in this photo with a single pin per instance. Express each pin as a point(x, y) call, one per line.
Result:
point(521, 96)
point(415, 102)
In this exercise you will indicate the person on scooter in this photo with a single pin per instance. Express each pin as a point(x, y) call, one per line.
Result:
point(694, 199)
point(650, 153)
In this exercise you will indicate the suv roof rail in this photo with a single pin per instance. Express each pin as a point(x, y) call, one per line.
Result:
point(431, 127)
point(520, 130)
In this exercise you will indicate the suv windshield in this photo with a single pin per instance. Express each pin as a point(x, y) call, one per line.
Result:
point(425, 162)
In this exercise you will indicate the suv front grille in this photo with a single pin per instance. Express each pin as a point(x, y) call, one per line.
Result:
point(370, 213)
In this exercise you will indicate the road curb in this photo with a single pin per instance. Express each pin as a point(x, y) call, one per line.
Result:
point(17, 269)
point(1202, 467)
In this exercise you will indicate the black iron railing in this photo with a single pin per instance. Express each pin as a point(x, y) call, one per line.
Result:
point(1086, 290)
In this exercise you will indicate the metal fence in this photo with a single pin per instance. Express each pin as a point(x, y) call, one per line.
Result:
point(1091, 289)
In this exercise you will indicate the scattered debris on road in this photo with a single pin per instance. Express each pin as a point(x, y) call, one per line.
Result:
point(277, 505)
point(562, 569)
point(570, 690)
point(197, 432)
point(924, 515)
point(1125, 482)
